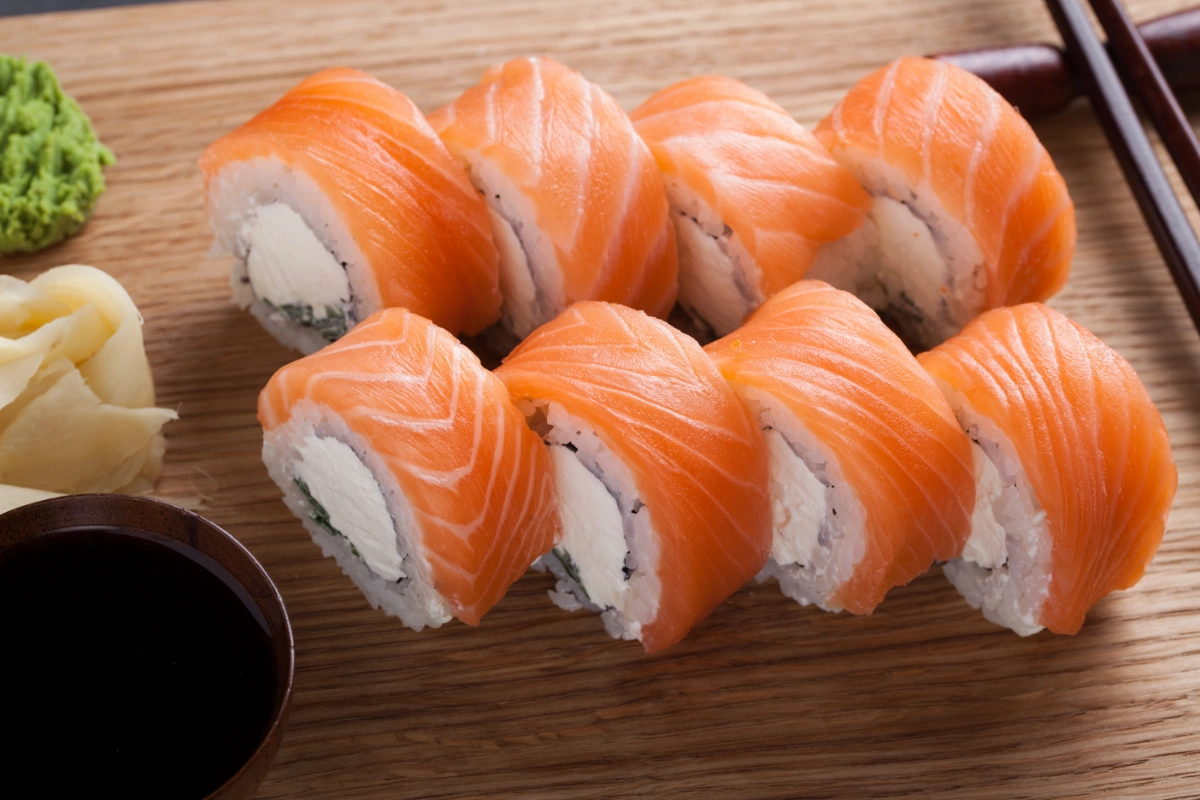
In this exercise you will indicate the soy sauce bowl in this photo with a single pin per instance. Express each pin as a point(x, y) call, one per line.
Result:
point(138, 672)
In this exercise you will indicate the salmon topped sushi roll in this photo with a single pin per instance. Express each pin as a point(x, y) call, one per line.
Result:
point(753, 194)
point(661, 472)
point(575, 200)
point(1077, 477)
point(340, 200)
point(407, 462)
point(871, 476)
point(969, 212)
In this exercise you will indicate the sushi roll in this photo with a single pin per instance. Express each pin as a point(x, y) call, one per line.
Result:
point(576, 203)
point(753, 194)
point(408, 464)
point(871, 477)
point(661, 472)
point(968, 211)
point(339, 200)
point(1076, 475)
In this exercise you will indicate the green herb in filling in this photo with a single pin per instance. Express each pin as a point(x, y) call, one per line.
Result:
point(50, 159)
point(331, 327)
point(906, 305)
point(571, 569)
point(904, 317)
point(319, 515)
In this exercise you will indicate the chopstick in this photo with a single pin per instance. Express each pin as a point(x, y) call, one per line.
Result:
point(1137, 65)
point(1160, 207)
point(1038, 81)
point(1173, 43)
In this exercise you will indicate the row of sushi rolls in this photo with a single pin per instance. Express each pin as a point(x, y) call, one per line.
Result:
point(708, 317)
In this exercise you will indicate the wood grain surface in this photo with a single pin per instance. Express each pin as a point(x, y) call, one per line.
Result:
point(764, 699)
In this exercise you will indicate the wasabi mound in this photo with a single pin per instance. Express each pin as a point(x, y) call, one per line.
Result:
point(50, 159)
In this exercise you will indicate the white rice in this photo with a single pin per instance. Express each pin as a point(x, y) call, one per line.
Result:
point(638, 597)
point(531, 281)
point(413, 598)
point(234, 196)
point(817, 541)
point(719, 281)
point(910, 260)
point(1008, 581)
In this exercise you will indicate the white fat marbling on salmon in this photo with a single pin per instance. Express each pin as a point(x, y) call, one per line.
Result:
point(987, 133)
point(933, 107)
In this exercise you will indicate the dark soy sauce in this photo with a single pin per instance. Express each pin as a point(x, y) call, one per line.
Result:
point(127, 666)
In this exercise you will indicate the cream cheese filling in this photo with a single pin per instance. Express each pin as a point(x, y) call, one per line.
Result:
point(798, 505)
point(343, 485)
point(711, 282)
point(912, 271)
point(288, 266)
point(521, 308)
point(986, 545)
point(593, 531)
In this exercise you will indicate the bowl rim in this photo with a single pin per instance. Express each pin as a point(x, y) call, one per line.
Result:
point(281, 703)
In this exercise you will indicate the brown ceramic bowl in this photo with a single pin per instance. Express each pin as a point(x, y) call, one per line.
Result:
point(190, 532)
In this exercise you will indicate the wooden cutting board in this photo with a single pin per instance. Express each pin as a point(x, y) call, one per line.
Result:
point(764, 699)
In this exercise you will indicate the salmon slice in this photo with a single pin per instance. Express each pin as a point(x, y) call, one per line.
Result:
point(1079, 448)
point(940, 141)
point(755, 182)
point(375, 186)
point(578, 204)
point(890, 471)
point(672, 464)
point(472, 499)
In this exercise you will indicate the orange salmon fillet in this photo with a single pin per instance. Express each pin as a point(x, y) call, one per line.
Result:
point(696, 455)
point(571, 151)
point(1093, 446)
point(421, 226)
point(946, 128)
point(855, 387)
point(775, 186)
point(478, 480)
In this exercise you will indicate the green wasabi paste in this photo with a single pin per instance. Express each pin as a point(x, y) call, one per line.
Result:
point(50, 159)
